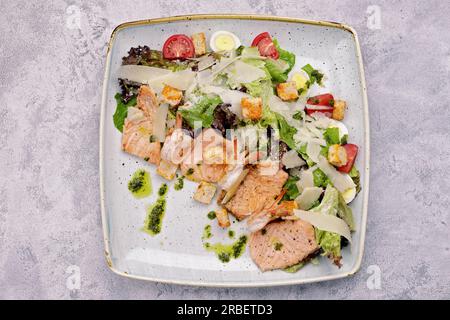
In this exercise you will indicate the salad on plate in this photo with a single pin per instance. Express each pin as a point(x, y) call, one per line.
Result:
point(240, 120)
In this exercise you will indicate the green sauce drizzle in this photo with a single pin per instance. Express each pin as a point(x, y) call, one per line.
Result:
point(155, 213)
point(163, 190)
point(140, 184)
point(211, 215)
point(225, 252)
point(207, 232)
point(179, 184)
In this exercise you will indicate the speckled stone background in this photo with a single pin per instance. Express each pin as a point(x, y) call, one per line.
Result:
point(50, 90)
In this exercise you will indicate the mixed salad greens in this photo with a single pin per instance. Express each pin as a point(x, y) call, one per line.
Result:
point(168, 98)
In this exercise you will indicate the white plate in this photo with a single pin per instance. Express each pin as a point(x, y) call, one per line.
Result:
point(177, 255)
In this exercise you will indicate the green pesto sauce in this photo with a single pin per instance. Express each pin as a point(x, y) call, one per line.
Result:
point(231, 234)
point(207, 232)
point(163, 190)
point(226, 252)
point(277, 246)
point(156, 212)
point(211, 215)
point(140, 184)
point(179, 184)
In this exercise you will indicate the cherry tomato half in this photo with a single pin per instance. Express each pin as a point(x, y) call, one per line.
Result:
point(352, 151)
point(321, 100)
point(324, 103)
point(178, 46)
point(326, 110)
point(265, 45)
point(259, 37)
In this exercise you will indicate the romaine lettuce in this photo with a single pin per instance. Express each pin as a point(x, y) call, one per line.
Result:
point(333, 203)
point(122, 110)
point(331, 135)
point(314, 75)
point(291, 188)
point(202, 111)
point(285, 55)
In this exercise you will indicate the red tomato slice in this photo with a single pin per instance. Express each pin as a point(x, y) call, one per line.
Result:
point(352, 151)
point(326, 110)
point(266, 46)
point(321, 100)
point(323, 103)
point(178, 46)
point(259, 37)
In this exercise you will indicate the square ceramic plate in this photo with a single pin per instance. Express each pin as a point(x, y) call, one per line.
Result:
point(177, 255)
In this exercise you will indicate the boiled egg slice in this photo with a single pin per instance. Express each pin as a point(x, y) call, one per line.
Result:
point(224, 41)
point(301, 78)
point(349, 194)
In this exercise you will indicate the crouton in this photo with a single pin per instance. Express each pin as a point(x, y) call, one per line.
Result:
point(167, 169)
point(339, 109)
point(251, 108)
point(171, 95)
point(287, 91)
point(205, 192)
point(222, 218)
point(199, 41)
point(337, 155)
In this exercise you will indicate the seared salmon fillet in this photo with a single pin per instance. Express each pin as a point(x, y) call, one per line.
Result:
point(138, 128)
point(282, 243)
point(256, 192)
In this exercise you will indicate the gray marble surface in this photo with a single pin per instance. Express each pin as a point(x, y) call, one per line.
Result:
point(51, 68)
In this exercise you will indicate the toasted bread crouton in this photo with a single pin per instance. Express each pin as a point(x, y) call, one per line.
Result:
point(171, 95)
point(251, 108)
point(339, 109)
point(167, 169)
point(337, 155)
point(222, 218)
point(287, 91)
point(205, 192)
point(199, 41)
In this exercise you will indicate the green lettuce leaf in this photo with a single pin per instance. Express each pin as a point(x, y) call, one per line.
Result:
point(320, 178)
point(354, 174)
point(345, 212)
point(122, 110)
point(277, 70)
point(331, 136)
point(302, 151)
point(202, 111)
point(287, 132)
point(285, 55)
point(291, 188)
point(314, 74)
point(333, 203)
point(260, 88)
point(329, 242)
point(294, 268)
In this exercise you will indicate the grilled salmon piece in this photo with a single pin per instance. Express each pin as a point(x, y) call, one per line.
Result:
point(208, 158)
point(138, 127)
point(282, 243)
point(256, 192)
point(147, 102)
point(137, 131)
